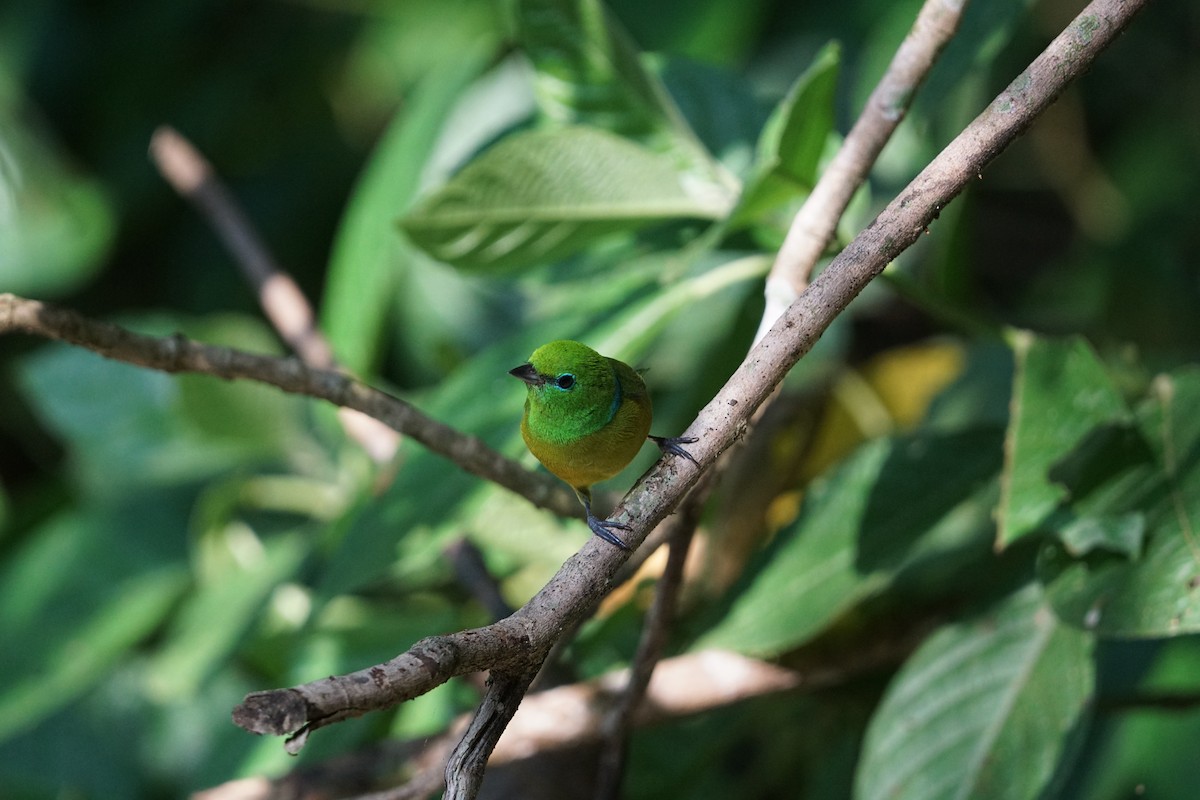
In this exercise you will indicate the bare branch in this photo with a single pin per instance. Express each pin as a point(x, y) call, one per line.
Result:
point(281, 299)
point(569, 717)
point(815, 224)
point(180, 354)
point(284, 304)
point(465, 767)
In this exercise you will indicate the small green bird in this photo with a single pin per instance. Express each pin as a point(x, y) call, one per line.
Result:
point(586, 417)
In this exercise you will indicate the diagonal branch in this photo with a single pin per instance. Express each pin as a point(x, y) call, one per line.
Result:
point(524, 637)
point(279, 296)
point(180, 354)
point(284, 304)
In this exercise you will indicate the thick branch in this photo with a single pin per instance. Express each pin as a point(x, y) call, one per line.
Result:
point(468, 760)
point(180, 354)
point(567, 717)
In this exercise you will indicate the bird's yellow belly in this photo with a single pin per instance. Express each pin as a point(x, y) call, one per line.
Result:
point(593, 458)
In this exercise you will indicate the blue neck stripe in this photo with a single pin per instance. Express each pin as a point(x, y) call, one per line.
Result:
point(617, 395)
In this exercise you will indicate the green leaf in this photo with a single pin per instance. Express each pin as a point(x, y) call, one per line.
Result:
point(895, 505)
point(986, 708)
point(77, 598)
point(793, 140)
point(1061, 392)
point(588, 70)
point(367, 253)
point(214, 619)
point(128, 426)
point(1121, 534)
point(541, 195)
point(1159, 593)
point(1145, 745)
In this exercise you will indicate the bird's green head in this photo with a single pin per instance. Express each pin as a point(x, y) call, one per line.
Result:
point(572, 388)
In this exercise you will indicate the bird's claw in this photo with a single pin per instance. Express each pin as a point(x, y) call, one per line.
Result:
point(603, 529)
point(673, 445)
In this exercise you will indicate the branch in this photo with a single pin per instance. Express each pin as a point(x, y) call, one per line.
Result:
point(180, 354)
point(815, 224)
point(280, 298)
point(566, 718)
point(522, 639)
point(468, 760)
point(284, 304)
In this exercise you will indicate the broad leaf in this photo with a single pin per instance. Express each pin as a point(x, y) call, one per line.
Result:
point(1150, 507)
point(1060, 394)
point(367, 254)
point(792, 141)
point(78, 597)
point(538, 196)
point(896, 504)
point(985, 708)
point(589, 72)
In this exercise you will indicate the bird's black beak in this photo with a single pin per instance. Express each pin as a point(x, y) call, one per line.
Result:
point(527, 373)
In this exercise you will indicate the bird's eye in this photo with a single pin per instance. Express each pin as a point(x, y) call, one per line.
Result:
point(565, 381)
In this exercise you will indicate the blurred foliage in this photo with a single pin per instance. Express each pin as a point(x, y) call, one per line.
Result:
point(998, 446)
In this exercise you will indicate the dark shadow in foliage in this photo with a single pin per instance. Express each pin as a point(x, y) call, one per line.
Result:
point(923, 481)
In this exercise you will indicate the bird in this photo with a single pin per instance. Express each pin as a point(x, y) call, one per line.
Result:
point(586, 417)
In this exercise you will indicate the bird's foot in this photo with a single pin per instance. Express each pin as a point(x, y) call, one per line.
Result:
point(673, 445)
point(604, 529)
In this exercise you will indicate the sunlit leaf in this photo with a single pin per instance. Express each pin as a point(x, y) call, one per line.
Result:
point(540, 195)
point(1061, 392)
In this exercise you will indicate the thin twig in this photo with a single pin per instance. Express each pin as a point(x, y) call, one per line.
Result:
point(281, 299)
point(192, 176)
point(179, 354)
point(814, 225)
